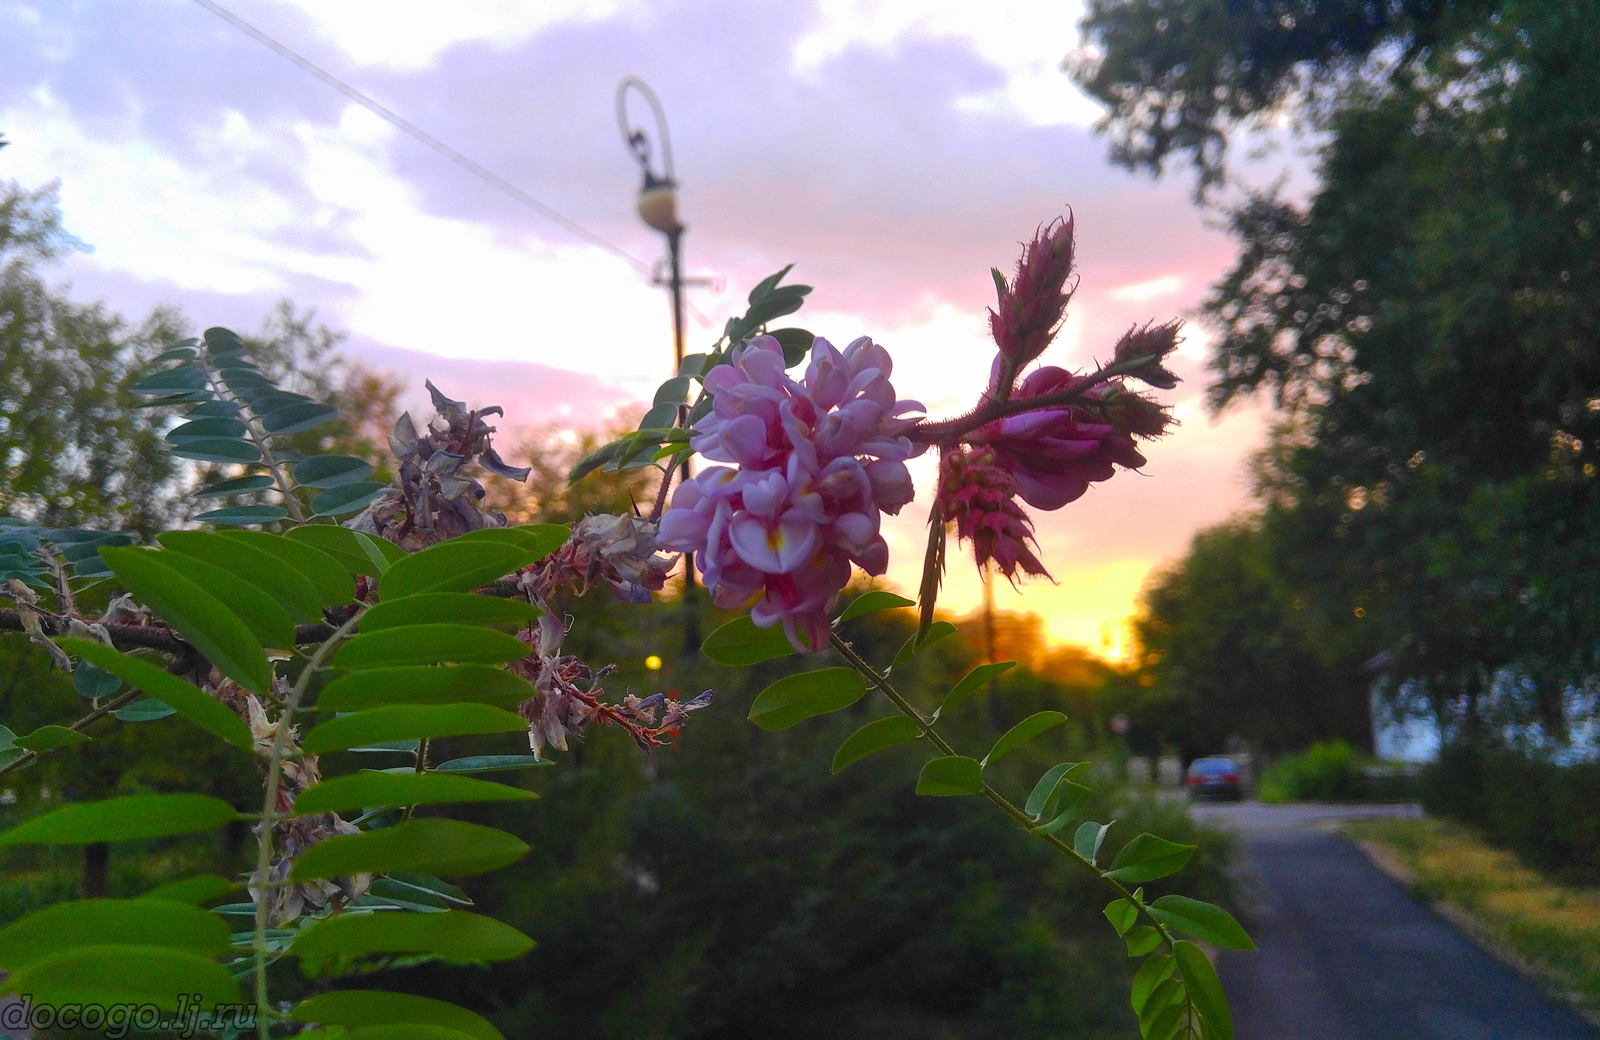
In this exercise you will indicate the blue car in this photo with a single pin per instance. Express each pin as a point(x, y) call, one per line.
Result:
point(1215, 777)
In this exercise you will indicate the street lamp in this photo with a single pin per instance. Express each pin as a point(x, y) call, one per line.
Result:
point(658, 208)
point(658, 196)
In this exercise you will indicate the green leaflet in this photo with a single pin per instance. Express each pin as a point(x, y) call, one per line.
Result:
point(266, 618)
point(1022, 732)
point(109, 975)
point(425, 684)
point(430, 644)
point(360, 553)
point(951, 775)
point(202, 888)
point(870, 602)
point(1205, 989)
point(355, 1008)
point(1122, 914)
point(196, 614)
point(912, 647)
point(48, 738)
point(461, 608)
point(1147, 858)
point(459, 565)
point(410, 722)
point(490, 764)
point(122, 819)
point(370, 789)
point(430, 845)
point(327, 471)
point(795, 698)
point(333, 583)
point(335, 945)
point(874, 736)
point(972, 682)
point(740, 642)
point(183, 697)
point(346, 498)
point(256, 564)
point(1205, 922)
point(132, 922)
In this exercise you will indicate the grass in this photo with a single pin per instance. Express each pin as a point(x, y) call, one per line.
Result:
point(1554, 928)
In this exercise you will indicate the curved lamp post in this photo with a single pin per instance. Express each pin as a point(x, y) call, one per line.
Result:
point(658, 207)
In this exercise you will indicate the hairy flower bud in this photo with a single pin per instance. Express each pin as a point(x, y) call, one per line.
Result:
point(1030, 309)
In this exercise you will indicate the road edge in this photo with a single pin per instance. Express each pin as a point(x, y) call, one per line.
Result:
point(1548, 981)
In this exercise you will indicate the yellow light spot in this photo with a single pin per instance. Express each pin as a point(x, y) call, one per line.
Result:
point(653, 662)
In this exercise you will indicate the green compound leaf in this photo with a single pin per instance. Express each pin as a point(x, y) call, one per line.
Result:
point(1088, 840)
point(1205, 989)
point(265, 616)
point(1022, 732)
point(424, 684)
point(113, 975)
point(336, 945)
point(1142, 940)
point(432, 846)
point(461, 608)
point(193, 891)
point(1205, 922)
point(410, 722)
point(244, 516)
point(430, 644)
point(1122, 914)
point(333, 583)
point(355, 1008)
point(346, 498)
point(327, 471)
point(217, 449)
point(795, 698)
point(130, 818)
point(870, 602)
point(236, 486)
point(360, 553)
point(874, 736)
point(491, 764)
point(951, 775)
point(458, 565)
point(972, 682)
point(1147, 858)
point(371, 789)
point(132, 922)
point(1151, 974)
point(937, 631)
point(183, 697)
point(48, 738)
point(196, 614)
point(740, 642)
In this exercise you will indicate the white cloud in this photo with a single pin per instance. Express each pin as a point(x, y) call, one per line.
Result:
point(408, 35)
point(1025, 39)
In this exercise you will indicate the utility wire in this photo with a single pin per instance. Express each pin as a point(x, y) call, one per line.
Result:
point(407, 127)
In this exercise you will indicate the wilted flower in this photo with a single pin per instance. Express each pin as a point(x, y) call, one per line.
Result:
point(434, 499)
point(818, 462)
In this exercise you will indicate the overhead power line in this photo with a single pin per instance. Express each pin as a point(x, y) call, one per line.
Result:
point(407, 127)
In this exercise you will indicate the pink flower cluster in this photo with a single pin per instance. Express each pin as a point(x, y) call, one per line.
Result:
point(814, 465)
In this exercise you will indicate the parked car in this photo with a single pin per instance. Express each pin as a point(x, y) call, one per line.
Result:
point(1215, 777)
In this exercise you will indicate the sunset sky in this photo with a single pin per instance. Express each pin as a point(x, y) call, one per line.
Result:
point(893, 151)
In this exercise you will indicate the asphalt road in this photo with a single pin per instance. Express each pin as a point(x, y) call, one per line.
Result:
point(1344, 953)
